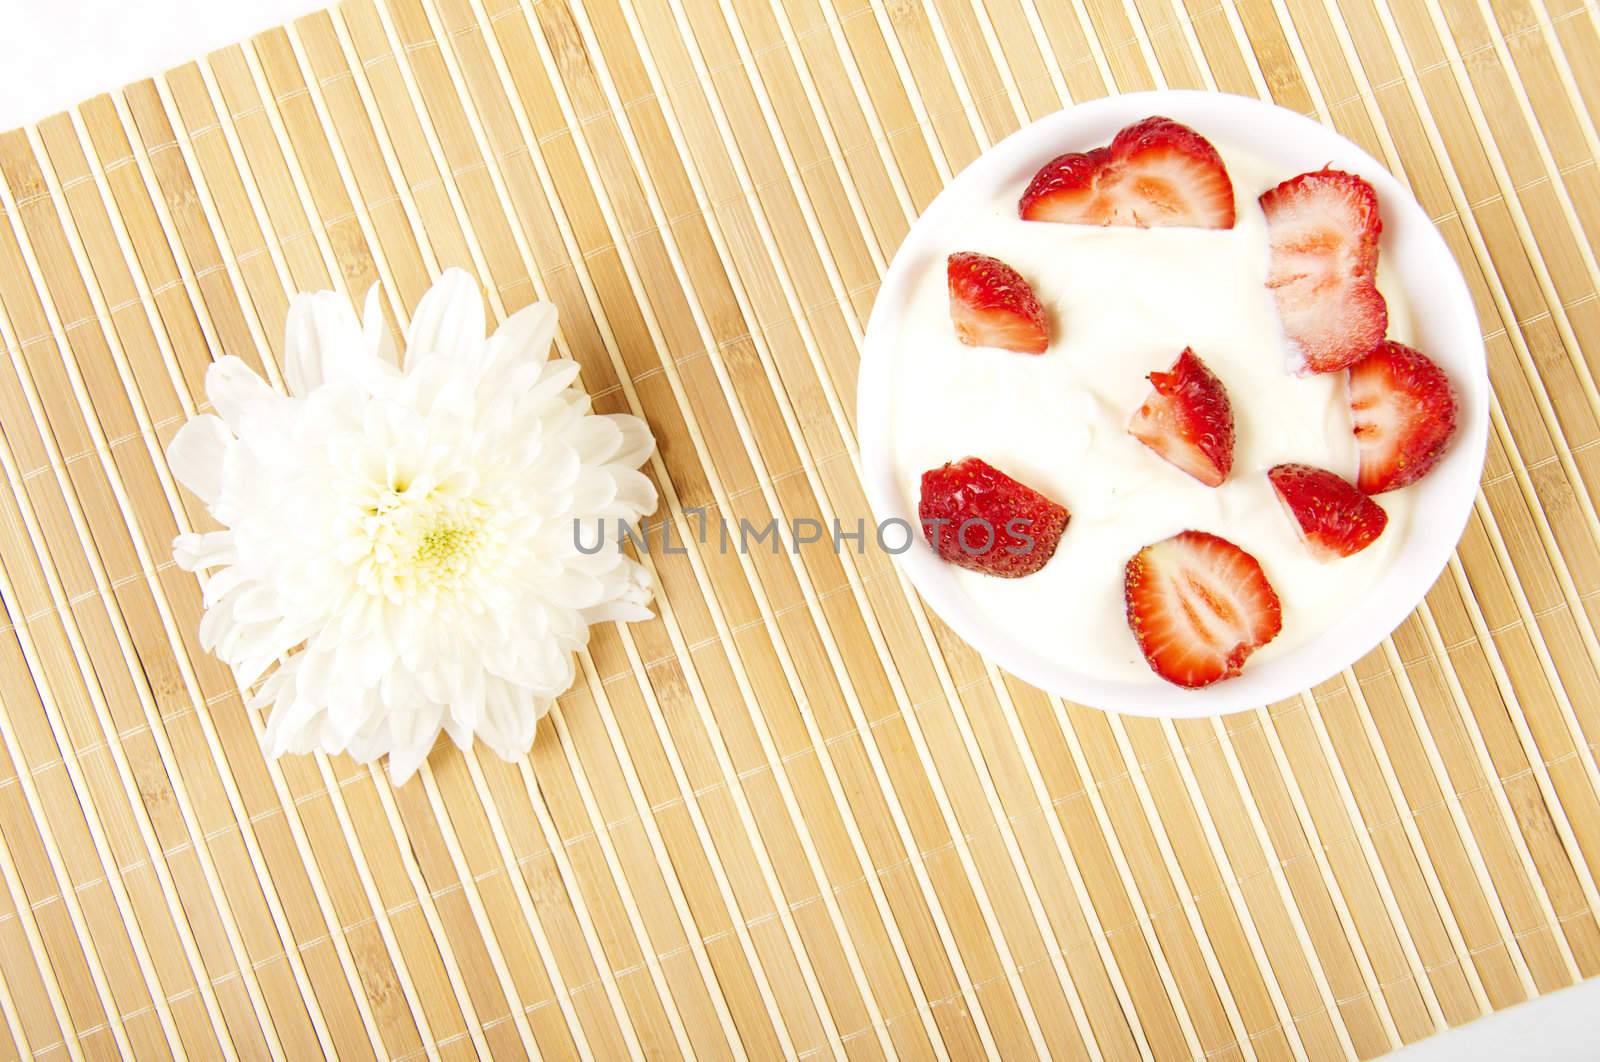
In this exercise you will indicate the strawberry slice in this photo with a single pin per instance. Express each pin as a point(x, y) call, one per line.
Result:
point(992, 306)
point(1334, 519)
point(1154, 173)
point(1405, 415)
point(1198, 606)
point(977, 517)
point(1323, 231)
point(1187, 420)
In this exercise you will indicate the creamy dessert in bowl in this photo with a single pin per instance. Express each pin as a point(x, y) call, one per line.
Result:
point(1104, 312)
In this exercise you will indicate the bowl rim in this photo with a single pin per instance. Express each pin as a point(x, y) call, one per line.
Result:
point(1445, 326)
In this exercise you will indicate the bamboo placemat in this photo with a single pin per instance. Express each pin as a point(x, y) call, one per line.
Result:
point(794, 815)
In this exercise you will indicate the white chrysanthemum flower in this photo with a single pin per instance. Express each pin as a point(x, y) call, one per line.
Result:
point(400, 554)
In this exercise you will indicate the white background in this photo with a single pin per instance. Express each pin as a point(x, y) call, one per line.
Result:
point(57, 52)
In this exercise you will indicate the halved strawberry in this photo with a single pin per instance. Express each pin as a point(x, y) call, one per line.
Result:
point(1333, 517)
point(992, 306)
point(1155, 172)
point(1405, 415)
point(978, 517)
point(1323, 229)
point(1187, 420)
point(1198, 605)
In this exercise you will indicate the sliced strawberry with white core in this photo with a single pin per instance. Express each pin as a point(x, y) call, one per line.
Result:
point(1154, 173)
point(1334, 519)
point(1188, 420)
point(1198, 606)
point(1405, 416)
point(1323, 230)
point(992, 306)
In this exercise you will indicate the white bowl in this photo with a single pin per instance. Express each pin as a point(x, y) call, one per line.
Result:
point(1445, 328)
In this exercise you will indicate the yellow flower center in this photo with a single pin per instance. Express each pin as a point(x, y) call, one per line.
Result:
point(446, 550)
point(421, 546)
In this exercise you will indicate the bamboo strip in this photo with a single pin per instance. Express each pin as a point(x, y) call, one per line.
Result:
point(64, 740)
point(297, 827)
point(70, 757)
point(1010, 840)
point(1483, 508)
point(191, 680)
point(1140, 788)
point(480, 783)
point(430, 784)
point(765, 105)
point(23, 909)
point(1408, 692)
point(829, 771)
point(799, 320)
point(785, 789)
point(8, 1005)
point(1380, 127)
point(410, 863)
point(632, 651)
point(1425, 610)
point(684, 533)
point(578, 773)
point(165, 749)
point(524, 898)
point(332, 787)
point(13, 1023)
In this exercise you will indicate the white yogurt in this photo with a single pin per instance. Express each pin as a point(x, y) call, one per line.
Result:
point(1124, 302)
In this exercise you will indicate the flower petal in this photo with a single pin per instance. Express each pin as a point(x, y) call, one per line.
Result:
point(233, 388)
point(595, 439)
point(619, 612)
point(593, 494)
point(221, 584)
point(321, 329)
point(371, 738)
point(459, 732)
point(635, 497)
point(449, 319)
point(413, 738)
point(349, 718)
point(637, 441)
point(194, 552)
point(375, 330)
point(294, 726)
point(527, 334)
point(555, 378)
point(196, 454)
point(510, 718)
point(631, 602)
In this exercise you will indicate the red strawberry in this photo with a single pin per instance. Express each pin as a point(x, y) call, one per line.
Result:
point(1333, 517)
point(1198, 606)
point(1187, 420)
point(980, 518)
point(1323, 231)
point(1404, 413)
point(992, 306)
point(1154, 173)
